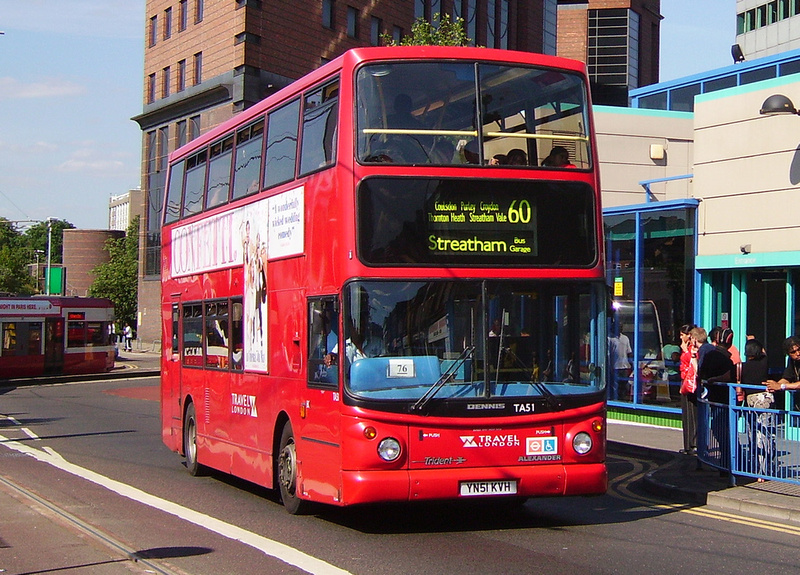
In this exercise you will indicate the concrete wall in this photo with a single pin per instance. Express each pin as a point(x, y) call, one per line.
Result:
point(624, 138)
point(747, 170)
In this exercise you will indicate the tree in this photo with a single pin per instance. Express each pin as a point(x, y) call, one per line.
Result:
point(118, 278)
point(14, 257)
point(442, 32)
point(36, 238)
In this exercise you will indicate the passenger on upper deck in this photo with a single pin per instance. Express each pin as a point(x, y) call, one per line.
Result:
point(517, 157)
point(558, 158)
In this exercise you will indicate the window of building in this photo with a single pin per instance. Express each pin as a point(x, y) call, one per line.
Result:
point(682, 99)
point(183, 15)
point(320, 118)
point(352, 22)
point(550, 27)
point(419, 10)
point(757, 75)
point(504, 32)
point(181, 75)
point(151, 88)
point(471, 20)
point(783, 9)
point(247, 166)
point(153, 31)
point(198, 11)
point(198, 68)
point(375, 26)
point(657, 101)
point(772, 12)
point(397, 34)
point(167, 23)
point(165, 78)
point(156, 177)
point(761, 16)
point(794, 7)
point(491, 10)
point(788, 68)
point(194, 127)
point(281, 155)
point(219, 172)
point(719, 83)
point(327, 13)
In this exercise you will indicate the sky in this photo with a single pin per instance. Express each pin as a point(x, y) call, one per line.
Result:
point(71, 78)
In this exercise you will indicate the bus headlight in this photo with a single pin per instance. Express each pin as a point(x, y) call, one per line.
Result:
point(389, 449)
point(582, 443)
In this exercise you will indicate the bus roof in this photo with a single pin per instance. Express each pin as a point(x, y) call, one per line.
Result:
point(356, 56)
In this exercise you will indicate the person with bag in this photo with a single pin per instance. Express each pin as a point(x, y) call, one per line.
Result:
point(754, 371)
point(688, 372)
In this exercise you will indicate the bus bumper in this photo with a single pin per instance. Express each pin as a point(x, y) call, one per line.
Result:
point(431, 484)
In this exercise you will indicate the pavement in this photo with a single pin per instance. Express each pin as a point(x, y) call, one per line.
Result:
point(37, 538)
point(681, 478)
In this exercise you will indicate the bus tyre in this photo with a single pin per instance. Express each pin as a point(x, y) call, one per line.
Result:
point(287, 473)
point(190, 441)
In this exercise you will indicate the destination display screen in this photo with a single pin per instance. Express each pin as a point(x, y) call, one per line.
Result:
point(432, 221)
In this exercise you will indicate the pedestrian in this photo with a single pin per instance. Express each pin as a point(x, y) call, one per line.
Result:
point(127, 333)
point(715, 369)
point(688, 372)
point(621, 354)
point(761, 425)
point(791, 376)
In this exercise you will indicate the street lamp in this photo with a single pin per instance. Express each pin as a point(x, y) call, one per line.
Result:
point(777, 104)
point(49, 254)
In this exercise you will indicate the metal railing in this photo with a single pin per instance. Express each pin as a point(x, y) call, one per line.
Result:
point(748, 441)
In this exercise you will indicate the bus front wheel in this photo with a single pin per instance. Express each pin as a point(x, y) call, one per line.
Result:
point(287, 473)
point(190, 441)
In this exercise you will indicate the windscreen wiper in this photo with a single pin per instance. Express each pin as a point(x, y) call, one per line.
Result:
point(444, 378)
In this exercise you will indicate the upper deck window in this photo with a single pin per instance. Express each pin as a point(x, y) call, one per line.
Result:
point(281, 144)
point(247, 167)
point(428, 113)
point(219, 172)
point(195, 184)
point(320, 116)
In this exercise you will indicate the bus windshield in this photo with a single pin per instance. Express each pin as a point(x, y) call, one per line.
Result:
point(428, 113)
point(471, 339)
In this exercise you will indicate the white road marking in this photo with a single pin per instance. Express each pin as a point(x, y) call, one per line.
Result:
point(280, 551)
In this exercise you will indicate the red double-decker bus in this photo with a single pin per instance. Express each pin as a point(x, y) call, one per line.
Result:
point(385, 283)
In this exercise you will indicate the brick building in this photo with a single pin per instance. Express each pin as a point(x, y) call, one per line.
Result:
point(84, 250)
point(618, 40)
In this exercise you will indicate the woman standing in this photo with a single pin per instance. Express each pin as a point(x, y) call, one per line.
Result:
point(688, 369)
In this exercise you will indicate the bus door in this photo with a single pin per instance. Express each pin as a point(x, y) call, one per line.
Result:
point(171, 380)
point(53, 345)
point(321, 423)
